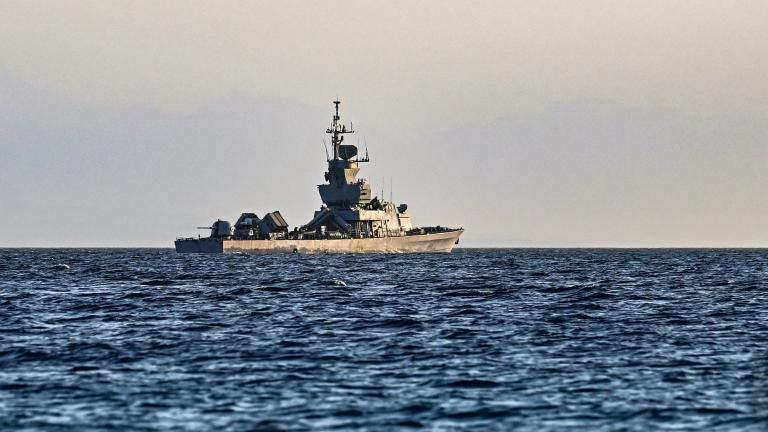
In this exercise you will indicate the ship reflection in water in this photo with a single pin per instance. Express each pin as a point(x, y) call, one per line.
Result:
point(350, 219)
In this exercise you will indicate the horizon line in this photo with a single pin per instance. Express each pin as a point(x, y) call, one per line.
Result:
point(458, 247)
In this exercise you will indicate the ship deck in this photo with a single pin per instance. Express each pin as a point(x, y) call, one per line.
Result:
point(438, 241)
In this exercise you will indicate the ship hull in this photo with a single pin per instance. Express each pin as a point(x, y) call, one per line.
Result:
point(433, 242)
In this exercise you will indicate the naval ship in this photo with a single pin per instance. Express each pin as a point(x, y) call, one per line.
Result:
point(350, 220)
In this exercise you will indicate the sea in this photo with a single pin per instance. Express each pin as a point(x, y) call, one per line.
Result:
point(479, 339)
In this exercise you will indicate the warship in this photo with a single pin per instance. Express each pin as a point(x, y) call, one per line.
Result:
point(350, 219)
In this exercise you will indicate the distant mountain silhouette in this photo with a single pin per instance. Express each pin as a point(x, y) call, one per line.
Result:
point(584, 172)
point(77, 174)
point(593, 172)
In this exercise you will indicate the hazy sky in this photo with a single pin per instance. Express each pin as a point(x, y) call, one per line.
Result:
point(634, 123)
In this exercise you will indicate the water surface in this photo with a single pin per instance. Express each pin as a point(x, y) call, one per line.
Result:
point(146, 339)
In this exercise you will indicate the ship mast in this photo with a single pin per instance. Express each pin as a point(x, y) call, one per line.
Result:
point(337, 130)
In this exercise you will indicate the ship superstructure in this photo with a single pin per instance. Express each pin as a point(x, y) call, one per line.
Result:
point(348, 208)
point(349, 220)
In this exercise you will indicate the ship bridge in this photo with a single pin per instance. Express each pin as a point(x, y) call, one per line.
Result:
point(348, 206)
point(343, 190)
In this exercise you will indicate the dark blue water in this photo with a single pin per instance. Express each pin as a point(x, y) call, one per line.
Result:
point(475, 340)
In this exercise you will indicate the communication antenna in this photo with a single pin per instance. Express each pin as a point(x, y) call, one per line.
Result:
point(325, 145)
point(357, 158)
point(390, 189)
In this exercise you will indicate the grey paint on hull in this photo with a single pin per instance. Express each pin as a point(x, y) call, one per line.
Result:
point(434, 242)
